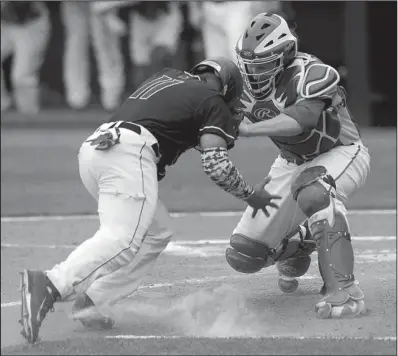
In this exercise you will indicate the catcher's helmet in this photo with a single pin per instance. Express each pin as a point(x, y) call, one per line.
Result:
point(229, 74)
point(263, 50)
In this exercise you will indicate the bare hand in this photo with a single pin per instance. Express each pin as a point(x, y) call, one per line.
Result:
point(244, 128)
point(261, 199)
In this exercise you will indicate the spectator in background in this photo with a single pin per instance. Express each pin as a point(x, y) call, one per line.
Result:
point(76, 66)
point(25, 27)
point(224, 21)
point(153, 40)
point(108, 28)
point(96, 20)
point(155, 33)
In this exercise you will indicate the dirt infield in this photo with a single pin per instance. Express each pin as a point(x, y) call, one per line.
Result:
point(193, 303)
point(205, 346)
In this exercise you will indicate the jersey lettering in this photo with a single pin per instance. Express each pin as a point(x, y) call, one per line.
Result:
point(154, 86)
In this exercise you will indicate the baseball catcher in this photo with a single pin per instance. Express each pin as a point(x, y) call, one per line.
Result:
point(295, 99)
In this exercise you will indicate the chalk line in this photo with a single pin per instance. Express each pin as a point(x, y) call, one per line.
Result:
point(181, 246)
point(43, 218)
point(272, 337)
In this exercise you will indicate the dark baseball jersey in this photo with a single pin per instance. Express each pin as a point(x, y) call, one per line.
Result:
point(177, 108)
point(314, 85)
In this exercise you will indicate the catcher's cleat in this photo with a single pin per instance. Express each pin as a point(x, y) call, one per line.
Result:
point(345, 302)
point(37, 298)
point(85, 311)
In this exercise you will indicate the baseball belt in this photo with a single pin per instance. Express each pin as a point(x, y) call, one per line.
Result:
point(137, 129)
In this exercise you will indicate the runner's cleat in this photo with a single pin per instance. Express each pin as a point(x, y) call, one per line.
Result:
point(85, 311)
point(37, 298)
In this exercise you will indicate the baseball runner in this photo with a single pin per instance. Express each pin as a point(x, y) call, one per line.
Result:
point(295, 99)
point(120, 165)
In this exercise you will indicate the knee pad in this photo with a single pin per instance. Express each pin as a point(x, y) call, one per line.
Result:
point(313, 189)
point(246, 255)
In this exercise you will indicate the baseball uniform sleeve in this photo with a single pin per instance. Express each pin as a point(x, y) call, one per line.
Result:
point(216, 118)
point(306, 112)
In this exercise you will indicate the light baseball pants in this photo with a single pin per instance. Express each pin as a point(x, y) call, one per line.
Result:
point(81, 26)
point(134, 227)
point(348, 165)
point(27, 43)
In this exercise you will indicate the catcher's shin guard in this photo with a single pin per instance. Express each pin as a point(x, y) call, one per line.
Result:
point(336, 261)
point(329, 228)
point(246, 255)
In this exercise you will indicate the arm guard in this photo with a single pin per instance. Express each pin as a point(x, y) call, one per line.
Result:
point(220, 169)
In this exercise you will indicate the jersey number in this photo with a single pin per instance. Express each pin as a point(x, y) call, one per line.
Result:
point(154, 86)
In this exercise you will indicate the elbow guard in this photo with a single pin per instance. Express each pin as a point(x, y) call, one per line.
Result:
point(220, 169)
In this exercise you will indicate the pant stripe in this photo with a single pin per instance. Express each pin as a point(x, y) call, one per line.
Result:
point(136, 228)
point(143, 192)
point(349, 164)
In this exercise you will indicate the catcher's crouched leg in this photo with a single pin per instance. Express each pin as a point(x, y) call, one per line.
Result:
point(246, 255)
point(315, 192)
point(293, 258)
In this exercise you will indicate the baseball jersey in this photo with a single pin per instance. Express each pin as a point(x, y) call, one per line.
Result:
point(177, 108)
point(313, 85)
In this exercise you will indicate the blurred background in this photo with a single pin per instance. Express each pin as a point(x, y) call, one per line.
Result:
point(89, 54)
point(66, 65)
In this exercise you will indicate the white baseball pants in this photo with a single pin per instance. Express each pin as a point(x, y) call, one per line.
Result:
point(27, 43)
point(134, 227)
point(81, 25)
point(348, 165)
